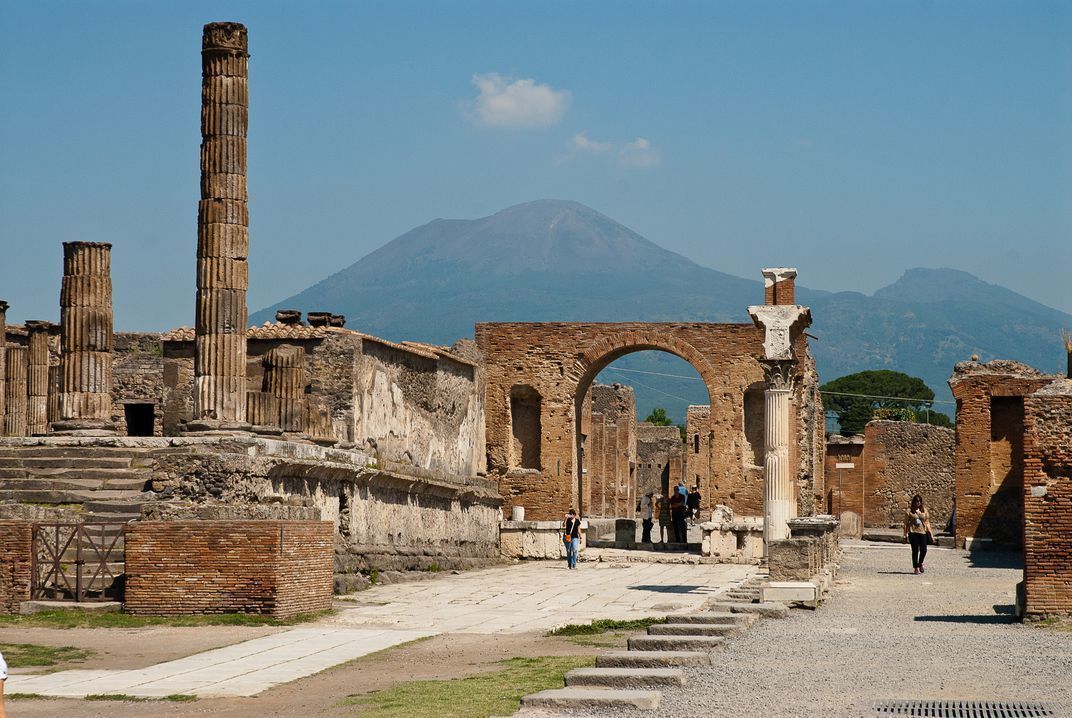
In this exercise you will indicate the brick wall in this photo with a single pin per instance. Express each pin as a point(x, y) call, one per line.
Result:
point(987, 466)
point(280, 568)
point(1048, 501)
point(16, 549)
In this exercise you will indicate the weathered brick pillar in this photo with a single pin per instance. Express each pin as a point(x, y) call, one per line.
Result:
point(15, 390)
point(37, 377)
point(85, 405)
point(3, 356)
point(222, 233)
point(284, 378)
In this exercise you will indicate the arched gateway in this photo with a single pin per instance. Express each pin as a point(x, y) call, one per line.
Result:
point(538, 373)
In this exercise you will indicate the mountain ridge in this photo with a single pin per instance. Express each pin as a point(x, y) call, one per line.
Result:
point(559, 260)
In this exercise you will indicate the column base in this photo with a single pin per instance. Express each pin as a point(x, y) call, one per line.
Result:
point(83, 427)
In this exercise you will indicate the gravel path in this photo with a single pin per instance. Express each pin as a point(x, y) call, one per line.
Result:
point(887, 634)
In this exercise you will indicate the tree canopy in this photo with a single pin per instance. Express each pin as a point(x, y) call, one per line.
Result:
point(884, 394)
point(658, 417)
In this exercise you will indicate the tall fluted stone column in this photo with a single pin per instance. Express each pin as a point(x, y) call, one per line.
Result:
point(3, 356)
point(37, 377)
point(222, 233)
point(284, 378)
point(85, 405)
point(15, 390)
point(780, 321)
point(778, 489)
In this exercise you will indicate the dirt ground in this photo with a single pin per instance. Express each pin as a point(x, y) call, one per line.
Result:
point(436, 658)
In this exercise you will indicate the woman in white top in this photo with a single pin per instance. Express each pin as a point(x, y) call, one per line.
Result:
point(3, 680)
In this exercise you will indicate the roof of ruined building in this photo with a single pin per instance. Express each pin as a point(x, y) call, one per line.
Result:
point(840, 439)
point(276, 331)
point(1000, 367)
point(1057, 387)
point(16, 329)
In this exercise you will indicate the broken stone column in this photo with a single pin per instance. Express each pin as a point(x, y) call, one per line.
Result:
point(37, 377)
point(222, 233)
point(85, 405)
point(284, 378)
point(15, 391)
point(780, 322)
point(3, 356)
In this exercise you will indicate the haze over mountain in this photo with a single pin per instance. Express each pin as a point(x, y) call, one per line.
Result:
point(556, 260)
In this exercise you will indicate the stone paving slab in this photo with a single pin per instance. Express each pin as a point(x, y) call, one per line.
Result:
point(244, 669)
point(540, 595)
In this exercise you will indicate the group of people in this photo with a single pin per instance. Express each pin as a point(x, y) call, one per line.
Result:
point(674, 512)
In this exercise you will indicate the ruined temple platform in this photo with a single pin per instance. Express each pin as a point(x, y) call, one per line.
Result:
point(539, 595)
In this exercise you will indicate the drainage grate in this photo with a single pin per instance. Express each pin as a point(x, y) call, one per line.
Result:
point(962, 709)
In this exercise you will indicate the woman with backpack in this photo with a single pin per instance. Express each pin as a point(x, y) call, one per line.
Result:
point(917, 530)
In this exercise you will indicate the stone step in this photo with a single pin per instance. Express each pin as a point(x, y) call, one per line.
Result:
point(121, 482)
point(68, 452)
point(766, 610)
point(588, 698)
point(63, 497)
point(638, 678)
point(38, 463)
point(696, 629)
point(131, 507)
point(652, 659)
point(713, 617)
point(73, 474)
point(675, 643)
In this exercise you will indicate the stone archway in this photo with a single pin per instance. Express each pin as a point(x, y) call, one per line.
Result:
point(556, 360)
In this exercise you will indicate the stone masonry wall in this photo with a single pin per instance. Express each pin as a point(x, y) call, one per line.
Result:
point(610, 456)
point(655, 447)
point(903, 459)
point(279, 568)
point(1048, 501)
point(138, 377)
point(16, 556)
point(558, 361)
point(988, 455)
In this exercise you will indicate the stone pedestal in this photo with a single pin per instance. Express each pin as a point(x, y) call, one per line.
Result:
point(222, 234)
point(15, 391)
point(37, 377)
point(85, 402)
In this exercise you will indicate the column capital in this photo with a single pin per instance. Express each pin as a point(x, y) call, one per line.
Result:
point(779, 322)
point(778, 373)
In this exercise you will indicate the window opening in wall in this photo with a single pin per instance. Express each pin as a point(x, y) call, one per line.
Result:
point(140, 419)
point(696, 443)
point(525, 426)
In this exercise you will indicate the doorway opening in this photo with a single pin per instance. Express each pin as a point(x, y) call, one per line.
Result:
point(140, 419)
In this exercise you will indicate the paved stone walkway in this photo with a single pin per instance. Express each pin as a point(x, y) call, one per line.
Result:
point(512, 599)
point(244, 669)
point(540, 595)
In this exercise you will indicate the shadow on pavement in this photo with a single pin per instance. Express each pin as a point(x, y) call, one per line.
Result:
point(672, 589)
point(980, 619)
point(984, 558)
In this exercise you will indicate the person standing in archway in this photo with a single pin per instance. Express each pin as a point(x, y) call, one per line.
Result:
point(665, 530)
point(917, 530)
point(677, 517)
point(571, 537)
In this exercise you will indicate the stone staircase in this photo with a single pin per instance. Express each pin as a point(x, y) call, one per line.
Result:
point(633, 679)
point(103, 483)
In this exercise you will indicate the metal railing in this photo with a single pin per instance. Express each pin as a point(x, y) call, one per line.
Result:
point(77, 561)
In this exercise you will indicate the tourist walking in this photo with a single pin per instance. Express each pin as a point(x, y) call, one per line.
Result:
point(692, 502)
point(649, 517)
point(917, 530)
point(677, 517)
point(571, 537)
point(3, 680)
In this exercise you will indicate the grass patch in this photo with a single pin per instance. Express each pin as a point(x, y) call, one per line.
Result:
point(28, 697)
point(115, 697)
point(90, 619)
point(180, 698)
point(480, 696)
point(604, 625)
point(1056, 624)
point(31, 654)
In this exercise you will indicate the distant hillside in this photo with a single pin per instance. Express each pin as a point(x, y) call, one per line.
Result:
point(555, 260)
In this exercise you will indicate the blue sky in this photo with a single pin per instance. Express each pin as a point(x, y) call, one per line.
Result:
point(850, 139)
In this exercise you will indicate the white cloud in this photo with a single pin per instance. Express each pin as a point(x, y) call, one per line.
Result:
point(512, 104)
point(582, 143)
point(639, 153)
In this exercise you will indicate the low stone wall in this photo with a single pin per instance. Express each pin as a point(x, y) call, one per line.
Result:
point(802, 567)
point(535, 539)
point(16, 552)
point(1047, 583)
point(729, 539)
point(279, 568)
